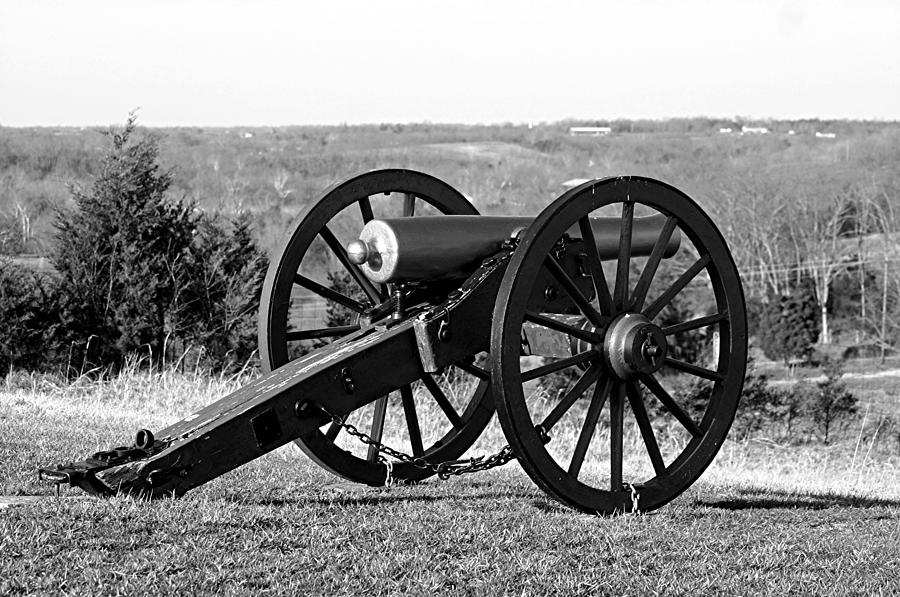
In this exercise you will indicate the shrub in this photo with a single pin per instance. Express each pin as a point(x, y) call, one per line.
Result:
point(220, 291)
point(790, 325)
point(833, 402)
point(761, 405)
point(29, 318)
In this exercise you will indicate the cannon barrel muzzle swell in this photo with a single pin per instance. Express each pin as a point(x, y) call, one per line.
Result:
point(442, 247)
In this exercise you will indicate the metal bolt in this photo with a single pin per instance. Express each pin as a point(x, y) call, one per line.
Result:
point(347, 380)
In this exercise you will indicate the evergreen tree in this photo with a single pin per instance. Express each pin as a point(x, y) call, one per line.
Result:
point(790, 325)
point(121, 252)
point(29, 318)
point(222, 283)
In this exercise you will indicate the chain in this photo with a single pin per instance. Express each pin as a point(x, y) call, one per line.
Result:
point(444, 470)
point(635, 496)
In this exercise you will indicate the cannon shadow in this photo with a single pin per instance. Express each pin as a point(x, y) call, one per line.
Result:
point(351, 494)
point(811, 500)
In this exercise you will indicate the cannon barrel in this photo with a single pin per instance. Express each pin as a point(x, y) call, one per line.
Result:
point(440, 247)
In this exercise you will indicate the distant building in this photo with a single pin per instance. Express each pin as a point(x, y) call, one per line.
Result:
point(725, 130)
point(825, 135)
point(754, 130)
point(591, 131)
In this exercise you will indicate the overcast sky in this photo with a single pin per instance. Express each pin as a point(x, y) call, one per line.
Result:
point(215, 62)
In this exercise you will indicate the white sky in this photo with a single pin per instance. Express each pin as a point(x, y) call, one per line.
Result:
point(215, 62)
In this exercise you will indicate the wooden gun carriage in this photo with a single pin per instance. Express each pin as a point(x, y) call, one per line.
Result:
point(435, 310)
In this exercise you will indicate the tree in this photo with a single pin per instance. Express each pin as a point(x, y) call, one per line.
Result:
point(882, 328)
point(790, 325)
point(752, 215)
point(29, 318)
point(816, 227)
point(220, 290)
point(121, 253)
point(140, 270)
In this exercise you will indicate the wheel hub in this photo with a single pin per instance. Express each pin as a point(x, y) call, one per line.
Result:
point(633, 345)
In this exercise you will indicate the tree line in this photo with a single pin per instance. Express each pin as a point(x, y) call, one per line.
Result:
point(811, 221)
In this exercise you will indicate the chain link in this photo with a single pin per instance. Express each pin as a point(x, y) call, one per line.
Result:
point(444, 470)
point(635, 497)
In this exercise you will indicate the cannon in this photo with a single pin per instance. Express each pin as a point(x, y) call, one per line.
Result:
point(570, 326)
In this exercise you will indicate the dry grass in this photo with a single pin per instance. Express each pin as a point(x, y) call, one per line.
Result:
point(765, 519)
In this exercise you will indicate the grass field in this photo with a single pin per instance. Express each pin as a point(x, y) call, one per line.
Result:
point(766, 518)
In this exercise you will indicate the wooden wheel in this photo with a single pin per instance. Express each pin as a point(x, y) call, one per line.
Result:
point(312, 263)
point(630, 347)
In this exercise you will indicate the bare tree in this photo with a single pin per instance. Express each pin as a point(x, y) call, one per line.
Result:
point(752, 217)
point(815, 225)
point(886, 220)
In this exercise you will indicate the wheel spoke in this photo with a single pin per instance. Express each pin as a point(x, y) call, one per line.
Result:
point(442, 401)
point(365, 208)
point(412, 420)
point(335, 245)
point(694, 324)
point(660, 392)
point(328, 293)
point(646, 429)
point(559, 326)
point(409, 205)
point(377, 428)
point(584, 305)
point(616, 415)
point(474, 370)
point(601, 391)
point(620, 294)
point(596, 266)
point(659, 249)
point(563, 406)
point(663, 299)
point(341, 330)
point(695, 370)
point(557, 365)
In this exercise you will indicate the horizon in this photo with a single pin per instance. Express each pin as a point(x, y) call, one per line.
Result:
point(563, 122)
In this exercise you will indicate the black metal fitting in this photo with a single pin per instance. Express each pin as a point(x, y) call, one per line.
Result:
point(347, 380)
point(304, 409)
point(144, 439)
